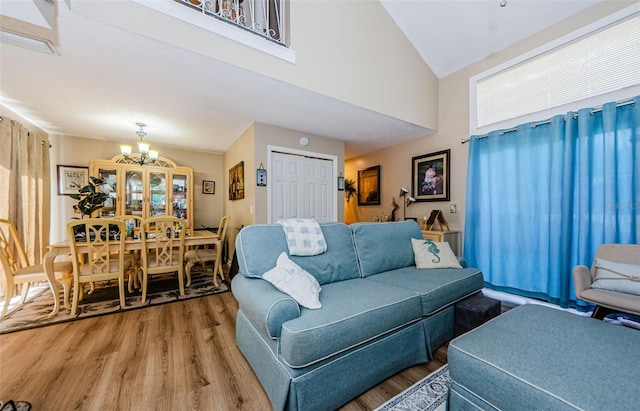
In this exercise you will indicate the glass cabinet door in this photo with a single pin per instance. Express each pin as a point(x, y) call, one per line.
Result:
point(157, 193)
point(110, 205)
point(134, 195)
point(179, 198)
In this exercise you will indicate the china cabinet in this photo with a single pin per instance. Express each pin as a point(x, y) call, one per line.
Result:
point(145, 190)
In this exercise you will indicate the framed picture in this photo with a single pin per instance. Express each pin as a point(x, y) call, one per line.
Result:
point(208, 187)
point(430, 176)
point(236, 181)
point(369, 186)
point(71, 179)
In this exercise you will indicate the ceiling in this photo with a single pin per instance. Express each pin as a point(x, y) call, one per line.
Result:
point(106, 79)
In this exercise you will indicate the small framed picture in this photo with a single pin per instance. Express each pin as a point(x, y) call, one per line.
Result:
point(71, 179)
point(208, 187)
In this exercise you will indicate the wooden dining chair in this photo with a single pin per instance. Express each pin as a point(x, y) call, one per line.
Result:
point(17, 269)
point(135, 274)
point(205, 255)
point(102, 241)
point(162, 249)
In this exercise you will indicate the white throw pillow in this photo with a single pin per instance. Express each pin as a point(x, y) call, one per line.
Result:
point(429, 254)
point(293, 280)
point(624, 278)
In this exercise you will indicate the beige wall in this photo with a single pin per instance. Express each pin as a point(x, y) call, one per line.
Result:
point(242, 212)
point(67, 150)
point(348, 50)
point(395, 162)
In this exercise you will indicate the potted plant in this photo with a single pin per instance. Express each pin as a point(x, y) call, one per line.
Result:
point(90, 197)
point(349, 188)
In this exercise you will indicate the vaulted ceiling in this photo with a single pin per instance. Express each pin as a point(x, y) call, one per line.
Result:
point(85, 91)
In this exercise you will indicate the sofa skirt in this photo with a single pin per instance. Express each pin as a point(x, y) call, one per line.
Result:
point(335, 381)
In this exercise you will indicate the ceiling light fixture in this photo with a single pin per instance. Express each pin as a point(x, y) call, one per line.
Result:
point(146, 156)
point(503, 3)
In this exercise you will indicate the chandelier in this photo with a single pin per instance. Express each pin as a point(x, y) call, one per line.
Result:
point(146, 156)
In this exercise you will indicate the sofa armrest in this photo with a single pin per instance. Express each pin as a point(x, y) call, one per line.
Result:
point(462, 261)
point(265, 306)
point(581, 279)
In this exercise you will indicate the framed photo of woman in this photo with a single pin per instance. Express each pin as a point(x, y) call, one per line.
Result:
point(430, 176)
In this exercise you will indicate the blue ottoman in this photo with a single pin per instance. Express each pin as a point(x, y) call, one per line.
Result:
point(539, 358)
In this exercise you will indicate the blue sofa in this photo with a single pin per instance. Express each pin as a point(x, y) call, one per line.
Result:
point(379, 313)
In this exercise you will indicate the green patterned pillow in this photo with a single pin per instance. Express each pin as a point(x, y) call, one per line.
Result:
point(429, 254)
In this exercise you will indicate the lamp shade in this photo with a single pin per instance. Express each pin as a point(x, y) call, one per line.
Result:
point(125, 149)
point(143, 147)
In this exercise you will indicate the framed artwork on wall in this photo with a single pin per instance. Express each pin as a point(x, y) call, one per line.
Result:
point(71, 179)
point(236, 181)
point(369, 186)
point(430, 176)
point(208, 187)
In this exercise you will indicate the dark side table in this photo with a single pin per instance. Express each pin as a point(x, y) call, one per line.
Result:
point(474, 311)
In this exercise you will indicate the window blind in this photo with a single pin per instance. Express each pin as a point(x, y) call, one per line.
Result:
point(599, 63)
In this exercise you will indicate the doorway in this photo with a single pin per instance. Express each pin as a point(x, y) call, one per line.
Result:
point(301, 185)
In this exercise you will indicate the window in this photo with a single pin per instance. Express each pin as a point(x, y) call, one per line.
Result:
point(600, 62)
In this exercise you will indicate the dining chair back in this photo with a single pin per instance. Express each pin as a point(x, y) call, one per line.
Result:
point(134, 225)
point(101, 241)
point(205, 255)
point(162, 249)
point(17, 270)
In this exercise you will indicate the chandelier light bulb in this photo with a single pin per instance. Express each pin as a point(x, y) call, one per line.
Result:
point(125, 149)
point(143, 147)
point(146, 156)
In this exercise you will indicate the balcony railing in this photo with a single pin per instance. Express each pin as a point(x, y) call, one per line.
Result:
point(262, 17)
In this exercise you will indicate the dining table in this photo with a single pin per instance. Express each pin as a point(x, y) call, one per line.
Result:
point(192, 238)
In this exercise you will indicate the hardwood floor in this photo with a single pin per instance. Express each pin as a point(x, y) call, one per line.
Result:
point(175, 356)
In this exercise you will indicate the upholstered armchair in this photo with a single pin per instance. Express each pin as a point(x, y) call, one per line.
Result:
point(613, 282)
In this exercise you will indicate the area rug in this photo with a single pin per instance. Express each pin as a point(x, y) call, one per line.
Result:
point(105, 300)
point(428, 394)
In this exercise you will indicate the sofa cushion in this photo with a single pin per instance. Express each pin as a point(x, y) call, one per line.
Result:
point(292, 280)
point(437, 288)
point(353, 312)
point(258, 247)
point(429, 254)
point(384, 246)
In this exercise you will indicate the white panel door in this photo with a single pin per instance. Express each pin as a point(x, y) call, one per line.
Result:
point(318, 189)
point(287, 192)
point(301, 187)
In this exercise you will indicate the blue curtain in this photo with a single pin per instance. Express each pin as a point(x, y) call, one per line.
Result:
point(542, 197)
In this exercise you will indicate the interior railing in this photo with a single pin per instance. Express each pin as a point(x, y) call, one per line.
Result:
point(262, 17)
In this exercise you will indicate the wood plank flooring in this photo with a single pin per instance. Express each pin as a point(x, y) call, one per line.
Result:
point(175, 356)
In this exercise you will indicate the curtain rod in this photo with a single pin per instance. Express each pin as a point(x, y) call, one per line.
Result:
point(548, 121)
